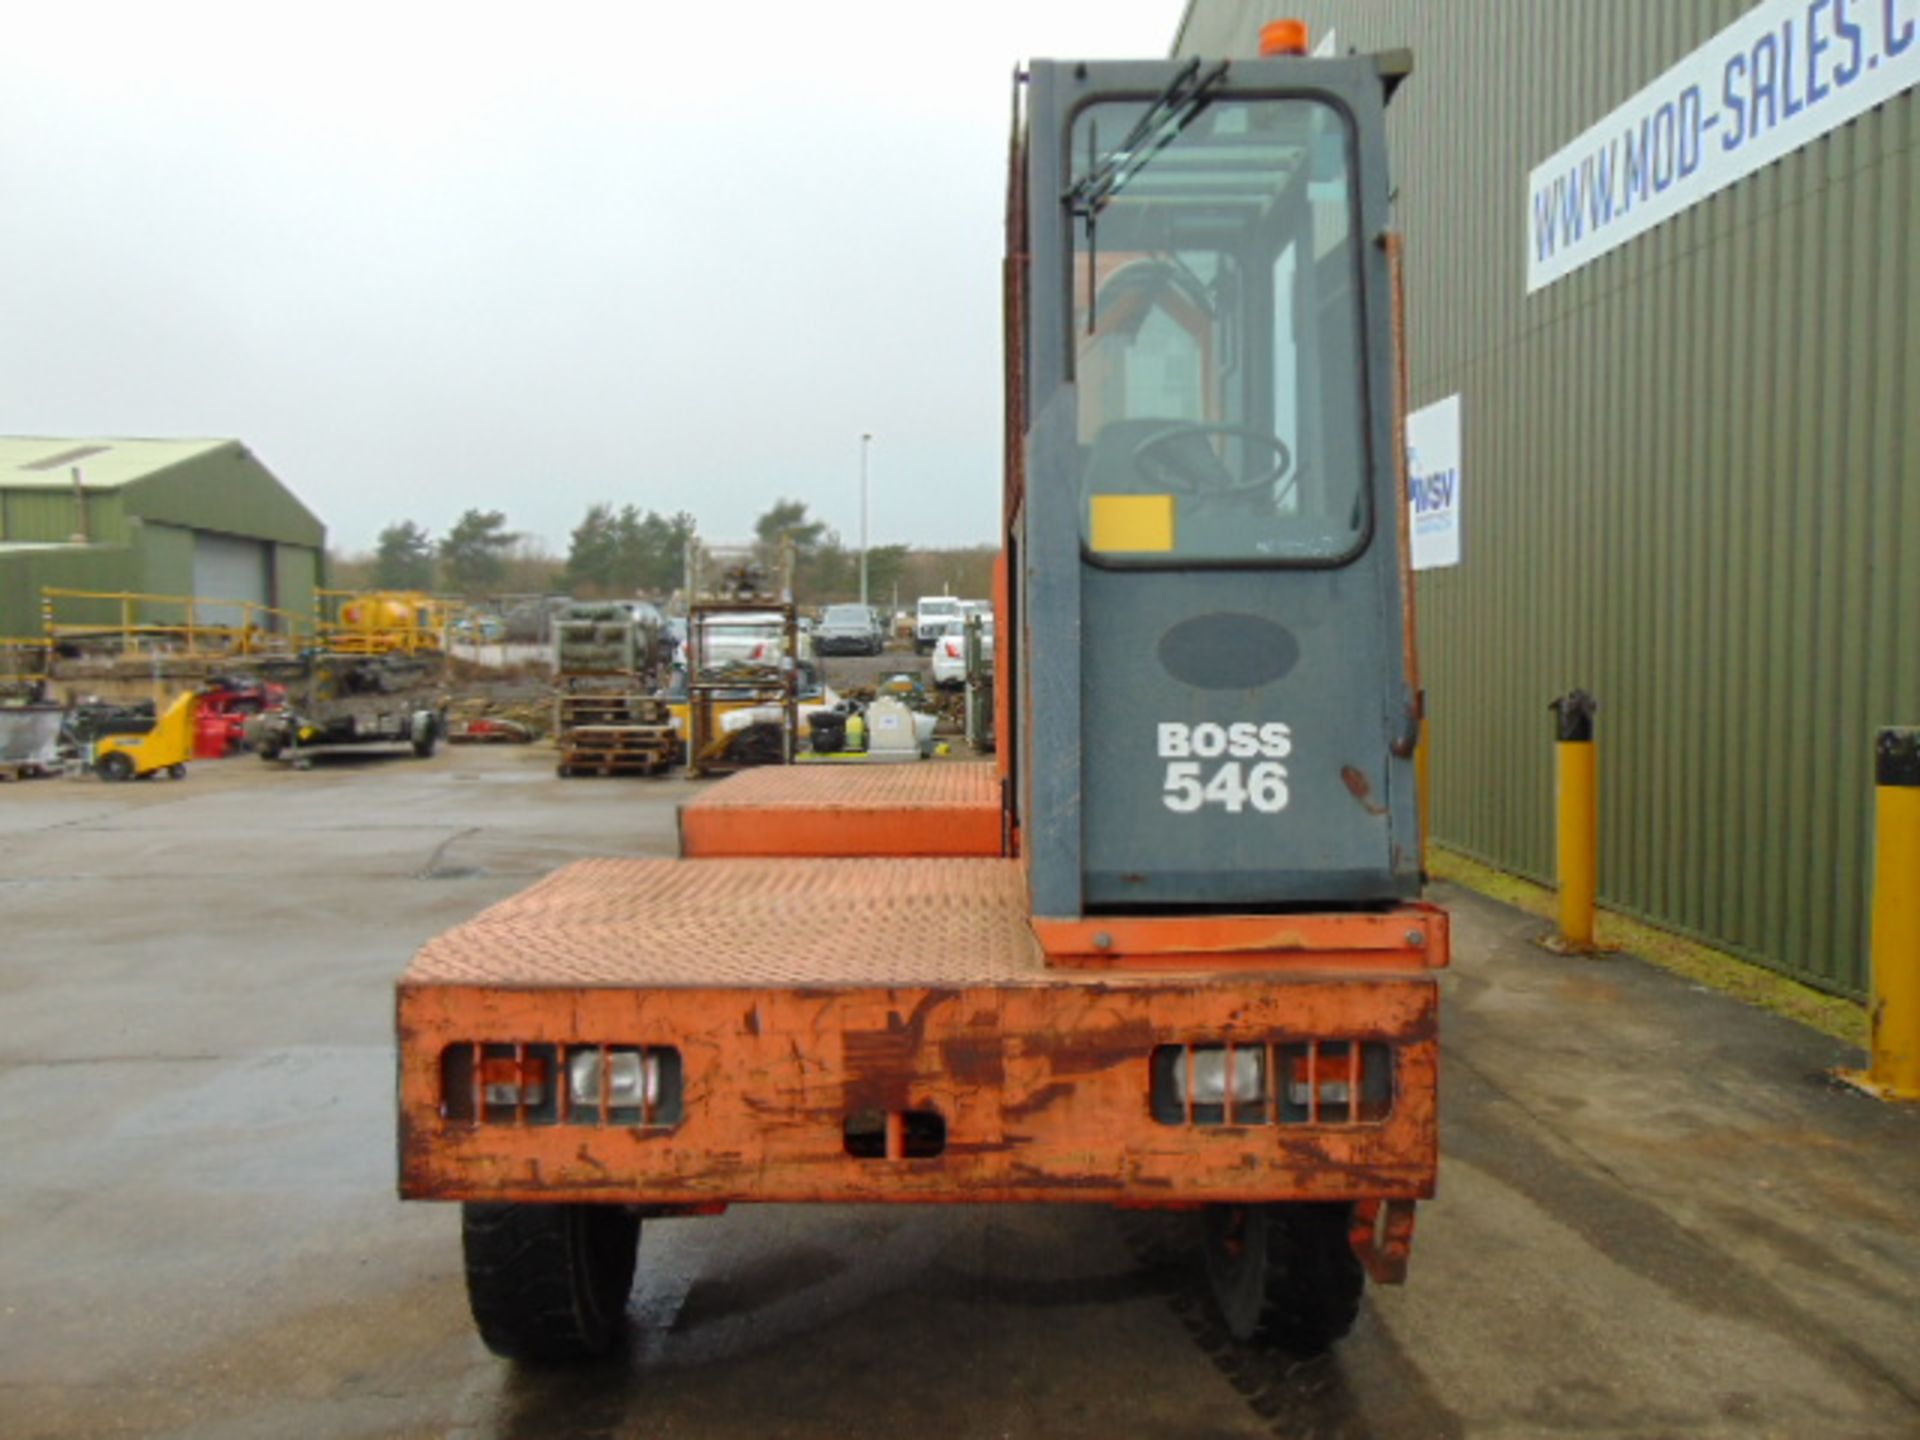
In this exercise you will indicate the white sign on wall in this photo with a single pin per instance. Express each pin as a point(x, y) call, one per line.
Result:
point(1433, 484)
point(1782, 75)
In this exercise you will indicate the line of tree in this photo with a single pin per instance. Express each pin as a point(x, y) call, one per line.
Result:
point(471, 558)
point(825, 570)
point(624, 550)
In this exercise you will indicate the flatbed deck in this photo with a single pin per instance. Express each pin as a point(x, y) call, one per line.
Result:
point(791, 1002)
point(924, 809)
point(748, 922)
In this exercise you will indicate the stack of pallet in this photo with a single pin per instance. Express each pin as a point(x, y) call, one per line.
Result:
point(609, 734)
point(605, 720)
point(607, 708)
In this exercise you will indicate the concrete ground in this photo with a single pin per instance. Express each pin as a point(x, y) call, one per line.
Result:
point(1656, 1216)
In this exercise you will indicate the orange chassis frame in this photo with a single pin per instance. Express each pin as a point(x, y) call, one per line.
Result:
point(1039, 1069)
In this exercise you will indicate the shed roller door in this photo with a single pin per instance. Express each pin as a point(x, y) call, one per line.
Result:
point(226, 568)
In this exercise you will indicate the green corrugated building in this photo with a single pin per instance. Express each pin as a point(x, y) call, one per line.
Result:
point(197, 518)
point(1665, 257)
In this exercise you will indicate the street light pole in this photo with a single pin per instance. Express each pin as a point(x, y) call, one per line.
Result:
point(865, 441)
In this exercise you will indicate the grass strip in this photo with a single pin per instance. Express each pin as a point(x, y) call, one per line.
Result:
point(1746, 982)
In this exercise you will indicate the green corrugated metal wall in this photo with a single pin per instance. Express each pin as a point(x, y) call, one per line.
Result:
point(296, 574)
point(1691, 474)
point(229, 491)
point(165, 567)
point(77, 567)
point(51, 517)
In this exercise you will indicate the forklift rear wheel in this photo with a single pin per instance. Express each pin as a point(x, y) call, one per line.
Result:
point(1283, 1275)
point(549, 1282)
point(115, 765)
point(177, 771)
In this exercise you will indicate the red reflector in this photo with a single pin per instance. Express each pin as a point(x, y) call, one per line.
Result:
point(500, 1072)
point(504, 1070)
point(953, 649)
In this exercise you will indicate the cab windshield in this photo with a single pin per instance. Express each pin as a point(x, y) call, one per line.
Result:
point(1216, 333)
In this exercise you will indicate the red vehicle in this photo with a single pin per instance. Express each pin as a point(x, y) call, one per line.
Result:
point(224, 707)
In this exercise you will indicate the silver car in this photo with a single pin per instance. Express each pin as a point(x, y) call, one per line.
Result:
point(848, 630)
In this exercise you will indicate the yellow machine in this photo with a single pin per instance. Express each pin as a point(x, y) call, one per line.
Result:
point(386, 622)
point(166, 746)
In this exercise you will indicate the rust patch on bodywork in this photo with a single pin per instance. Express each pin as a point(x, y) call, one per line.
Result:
point(1043, 1089)
point(1039, 1100)
point(1408, 939)
point(1358, 787)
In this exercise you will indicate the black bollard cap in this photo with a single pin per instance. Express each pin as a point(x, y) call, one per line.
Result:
point(1896, 759)
point(1573, 716)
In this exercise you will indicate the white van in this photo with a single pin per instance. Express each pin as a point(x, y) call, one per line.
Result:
point(930, 619)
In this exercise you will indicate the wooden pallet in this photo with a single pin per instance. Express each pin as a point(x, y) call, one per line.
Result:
point(618, 750)
point(580, 711)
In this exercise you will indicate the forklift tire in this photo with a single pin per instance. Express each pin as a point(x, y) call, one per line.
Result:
point(423, 747)
point(176, 772)
point(549, 1282)
point(1283, 1275)
point(115, 765)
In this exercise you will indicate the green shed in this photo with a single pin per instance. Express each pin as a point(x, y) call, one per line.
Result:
point(171, 518)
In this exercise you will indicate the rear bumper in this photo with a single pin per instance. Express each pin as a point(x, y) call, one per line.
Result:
point(1043, 1090)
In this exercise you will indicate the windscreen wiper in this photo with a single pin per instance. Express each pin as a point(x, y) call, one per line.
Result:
point(1178, 106)
point(1165, 119)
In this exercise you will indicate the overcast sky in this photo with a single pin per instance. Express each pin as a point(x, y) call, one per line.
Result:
point(422, 257)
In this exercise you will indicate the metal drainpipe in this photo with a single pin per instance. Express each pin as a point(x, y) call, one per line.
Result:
point(83, 528)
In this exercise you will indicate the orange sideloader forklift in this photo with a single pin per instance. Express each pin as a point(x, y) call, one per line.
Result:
point(1167, 950)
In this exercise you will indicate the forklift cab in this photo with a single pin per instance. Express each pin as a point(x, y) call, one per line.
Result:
point(1210, 581)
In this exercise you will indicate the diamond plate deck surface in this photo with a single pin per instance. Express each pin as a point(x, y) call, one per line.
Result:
point(781, 922)
point(902, 810)
point(959, 785)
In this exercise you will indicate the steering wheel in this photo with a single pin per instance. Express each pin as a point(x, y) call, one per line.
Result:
point(1193, 468)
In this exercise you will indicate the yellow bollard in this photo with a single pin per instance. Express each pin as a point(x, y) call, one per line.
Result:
point(1578, 825)
point(1893, 1051)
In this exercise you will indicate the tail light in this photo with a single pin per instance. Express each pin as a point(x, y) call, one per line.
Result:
point(953, 649)
point(1335, 1082)
point(1311, 1082)
point(499, 1084)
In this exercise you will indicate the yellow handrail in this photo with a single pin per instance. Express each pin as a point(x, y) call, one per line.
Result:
point(254, 634)
point(262, 628)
